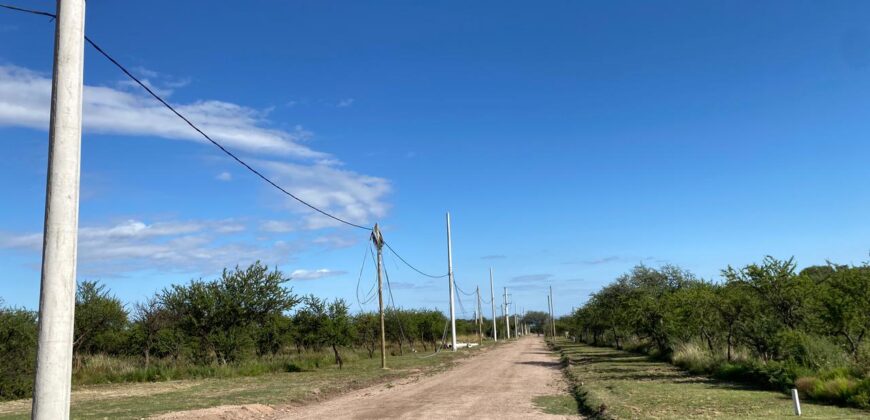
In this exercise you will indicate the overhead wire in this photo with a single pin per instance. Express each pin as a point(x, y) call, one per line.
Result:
point(219, 145)
point(412, 267)
point(370, 295)
point(191, 124)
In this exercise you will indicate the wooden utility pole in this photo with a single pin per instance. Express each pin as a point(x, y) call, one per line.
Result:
point(378, 240)
point(51, 388)
point(450, 280)
point(492, 302)
point(479, 319)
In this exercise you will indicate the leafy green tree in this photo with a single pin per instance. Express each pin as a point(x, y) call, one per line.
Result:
point(338, 328)
point(225, 315)
point(367, 326)
point(100, 320)
point(18, 333)
point(149, 318)
point(845, 304)
point(537, 321)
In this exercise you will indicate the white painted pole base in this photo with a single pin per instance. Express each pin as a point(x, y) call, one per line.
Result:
point(797, 402)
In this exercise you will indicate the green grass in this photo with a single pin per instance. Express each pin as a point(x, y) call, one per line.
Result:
point(618, 384)
point(138, 400)
point(557, 404)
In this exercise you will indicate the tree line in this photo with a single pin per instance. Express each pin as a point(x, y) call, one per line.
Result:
point(766, 323)
point(245, 314)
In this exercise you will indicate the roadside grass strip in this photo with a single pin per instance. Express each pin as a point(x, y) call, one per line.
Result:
point(609, 383)
point(140, 400)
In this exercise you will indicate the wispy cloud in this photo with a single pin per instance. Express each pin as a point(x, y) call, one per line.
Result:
point(344, 103)
point(531, 278)
point(224, 176)
point(316, 177)
point(315, 274)
point(203, 246)
point(603, 260)
point(277, 226)
point(610, 259)
point(25, 102)
point(347, 194)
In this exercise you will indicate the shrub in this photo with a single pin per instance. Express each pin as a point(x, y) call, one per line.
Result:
point(18, 334)
point(694, 358)
point(814, 352)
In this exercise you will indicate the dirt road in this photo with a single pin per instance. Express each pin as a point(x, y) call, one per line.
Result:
point(497, 385)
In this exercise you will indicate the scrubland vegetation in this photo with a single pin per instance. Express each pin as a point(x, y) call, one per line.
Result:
point(766, 325)
point(246, 322)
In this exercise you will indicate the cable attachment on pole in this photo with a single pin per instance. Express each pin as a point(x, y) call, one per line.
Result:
point(377, 238)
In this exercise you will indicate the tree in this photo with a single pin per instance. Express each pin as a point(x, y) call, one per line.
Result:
point(226, 315)
point(100, 320)
point(367, 326)
point(845, 304)
point(149, 318)
point(537, 321)
point(338, 329)
point(18, 333)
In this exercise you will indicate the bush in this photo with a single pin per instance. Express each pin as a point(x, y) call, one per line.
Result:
point(694, 358)
point(18, 334)
point(861, 394)
point(814, 352)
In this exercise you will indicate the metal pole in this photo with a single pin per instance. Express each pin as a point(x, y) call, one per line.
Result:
point(51, 389)
point(378, 240)
point(450, 280)
point(507, 322)
point(492, 301)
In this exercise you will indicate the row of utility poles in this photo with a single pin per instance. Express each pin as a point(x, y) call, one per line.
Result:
point(378, 241)
point(51, 393)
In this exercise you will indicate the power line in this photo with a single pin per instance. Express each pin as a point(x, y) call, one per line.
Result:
point(393, 304)
point(460, 290)
point(409, 264)
point(35, 12)
point(192, 125)
point(370, 295)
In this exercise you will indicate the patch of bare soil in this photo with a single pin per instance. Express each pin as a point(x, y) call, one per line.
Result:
point(497, 385)
point(223, 412)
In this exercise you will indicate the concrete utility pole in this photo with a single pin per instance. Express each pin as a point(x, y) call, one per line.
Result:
point(507, 320)
point(492, 301)
point(378, 240)
point(479, 319)
point(450, 279)
point(549, 313)
point(51, 389)
point(553, 312)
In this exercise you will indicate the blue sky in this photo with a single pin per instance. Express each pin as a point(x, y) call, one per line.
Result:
point(569, 140)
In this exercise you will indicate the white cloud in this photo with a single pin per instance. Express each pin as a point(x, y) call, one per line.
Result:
point(347, 194)
point(277, 226)
point(181, 246)
point(313, 176)
point(344, 103)
point(25, 101)
point(336, 241)
point(224, 176)
point(315, 274)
